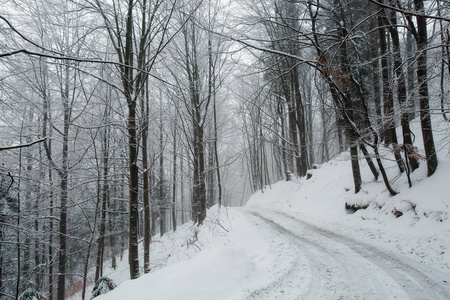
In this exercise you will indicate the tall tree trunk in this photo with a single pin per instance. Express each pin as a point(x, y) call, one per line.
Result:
point(362, 91)
point(309, 123)
point(127, 82)
point(38, 250)
point(1, 255)
point(301, 124)
point(174, 180)
point(390, 135)
point(112, 234)
point(325, 122)
point(19, 211)
point(355, 164)
point(162, 199)
point(154, 206)
point(212, 94)
point(210, 175)
point(133, 192)
point(62, 239)
point(199, 185)
point(123, 207)
point(283, 149)
point(216, 152)
point(293, 132)
point(145, 174)
point(63, 174)
point(444, 60)
point(105, 196)
point(50, 229)
point(348, 105)
point(410, 71)
point(93, 229)
point(401, 89)
point(422, 79)
point(26, 245)
point(182, 186)
point(375, 75)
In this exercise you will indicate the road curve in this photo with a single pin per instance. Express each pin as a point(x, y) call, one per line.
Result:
point(332, 266)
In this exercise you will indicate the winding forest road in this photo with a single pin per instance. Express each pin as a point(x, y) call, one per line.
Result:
point(331, 266)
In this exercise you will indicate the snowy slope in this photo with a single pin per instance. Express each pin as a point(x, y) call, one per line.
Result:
point(229, 259)
point(284, 242)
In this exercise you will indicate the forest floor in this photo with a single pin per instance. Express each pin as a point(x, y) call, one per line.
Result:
point(296, 240)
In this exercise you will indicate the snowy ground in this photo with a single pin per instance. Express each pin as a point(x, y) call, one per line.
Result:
point(295, 240)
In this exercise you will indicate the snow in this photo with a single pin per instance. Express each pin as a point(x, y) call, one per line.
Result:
point(223, 259)
point(193, 278)
point(295, 240)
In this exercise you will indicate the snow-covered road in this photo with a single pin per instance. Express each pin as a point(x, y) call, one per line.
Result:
point(331, 266)
point(265, 253)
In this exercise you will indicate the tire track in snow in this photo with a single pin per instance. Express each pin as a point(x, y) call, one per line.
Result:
point(291, 272)
point(342, 268)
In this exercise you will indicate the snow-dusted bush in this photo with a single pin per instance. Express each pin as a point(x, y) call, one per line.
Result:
point(102, 286)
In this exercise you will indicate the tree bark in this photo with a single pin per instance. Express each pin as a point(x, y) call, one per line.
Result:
point(105, 196)
point(127, 82)
point(63, 174)
point(422, 79)
point(161, 195)
point(301, 123)
point(182, 186)
point(146, 186)
point(174, 180)
point(401, 88)
point(390, 135)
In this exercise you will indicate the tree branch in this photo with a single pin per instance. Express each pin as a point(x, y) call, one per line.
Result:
point(410, 13)
point(23, 145)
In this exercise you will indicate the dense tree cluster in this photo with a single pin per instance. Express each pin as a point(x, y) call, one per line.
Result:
point(121, 119)
point(350, 71)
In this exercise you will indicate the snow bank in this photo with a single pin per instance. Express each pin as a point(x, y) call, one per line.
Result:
point(211, 274)
point(225, 258)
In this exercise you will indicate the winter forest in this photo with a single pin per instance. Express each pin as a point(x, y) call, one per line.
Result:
point(121, 120)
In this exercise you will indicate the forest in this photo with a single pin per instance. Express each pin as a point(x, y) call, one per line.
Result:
point(123, 119)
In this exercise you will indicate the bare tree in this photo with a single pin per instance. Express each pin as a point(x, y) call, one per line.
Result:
point(132, 43)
